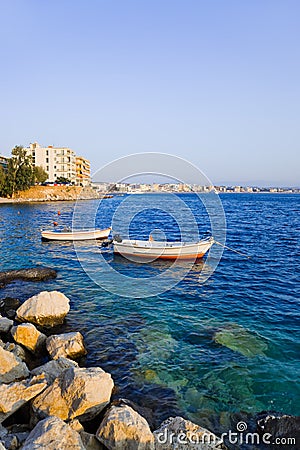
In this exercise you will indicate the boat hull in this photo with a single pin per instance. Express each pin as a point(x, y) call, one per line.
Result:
point(75, 235)
point(152, 250)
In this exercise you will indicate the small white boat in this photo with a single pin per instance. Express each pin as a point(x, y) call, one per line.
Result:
point(152, 250)
point(75, 235)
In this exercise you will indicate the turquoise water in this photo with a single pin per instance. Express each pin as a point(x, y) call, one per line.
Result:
point(211, 352)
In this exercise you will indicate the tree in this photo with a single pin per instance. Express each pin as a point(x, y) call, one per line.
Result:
point(40, 175)
point(19, 175)
point(63, 180)
point(2, 181)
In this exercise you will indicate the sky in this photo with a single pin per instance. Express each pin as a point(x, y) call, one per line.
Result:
point(216, 82)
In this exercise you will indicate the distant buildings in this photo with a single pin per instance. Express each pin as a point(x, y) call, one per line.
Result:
point(60, 162)
point(83, 171)
point(3, 162)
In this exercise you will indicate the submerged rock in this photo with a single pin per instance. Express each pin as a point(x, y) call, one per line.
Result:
point(123, 428)
point(34, 274)
point(68, 345)
point(14, 396)
point(12, 368)
point(45, 309)
point(27, 335)
point(81, 393)
point(53, 434)
point(240, 340)
point(177, 433)
point(54, 368)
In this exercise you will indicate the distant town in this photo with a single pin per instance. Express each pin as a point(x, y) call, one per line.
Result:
point(140, 188)
point(62, 163)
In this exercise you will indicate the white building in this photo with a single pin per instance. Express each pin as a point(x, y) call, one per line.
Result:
point(56, 161)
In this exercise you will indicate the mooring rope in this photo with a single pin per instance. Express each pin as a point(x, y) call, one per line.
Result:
point(231, 249)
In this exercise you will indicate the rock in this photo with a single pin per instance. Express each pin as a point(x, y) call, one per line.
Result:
point(123, 428)
point(240, 340)
point(8, 306)
point(69, 345)
point(27, 335)
point(16, 350)
point(180, 434)
point(12, 368)
point(76, 425)
point(14, 396)
point(77, 392)
point(147, 413)
point(90, 442)
point(54, 368)
point(5, 324)
point(34, 274)
point(10, 442)
point(2, 446)
point(45, 309)
point(280, 426)
point(53, 434)
point(3, 431)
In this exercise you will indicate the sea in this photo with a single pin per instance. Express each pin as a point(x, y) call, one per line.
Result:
point(216, 341)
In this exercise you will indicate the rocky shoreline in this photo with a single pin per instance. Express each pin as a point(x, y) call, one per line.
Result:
point(48, 401)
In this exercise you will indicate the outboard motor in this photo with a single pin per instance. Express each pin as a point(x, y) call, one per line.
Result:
point(117, 238)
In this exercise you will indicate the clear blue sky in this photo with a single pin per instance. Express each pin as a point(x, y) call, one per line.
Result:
point(214, 81)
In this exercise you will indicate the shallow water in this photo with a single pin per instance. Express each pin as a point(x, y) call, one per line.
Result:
point(207, 351)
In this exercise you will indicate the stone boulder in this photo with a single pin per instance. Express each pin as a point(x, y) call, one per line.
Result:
point(5, 324)
point(14, 396)
point(27, 335)
point(81, 393)
point(45, 309)
point(53, 434)
point(90, 441)
point(180, 434)
point(8, 306)
point(34, 274)
point(12, 368)
point(16, 350)
point(280, 426)
point(123, 428)
point(68, 345)
point(54, 368)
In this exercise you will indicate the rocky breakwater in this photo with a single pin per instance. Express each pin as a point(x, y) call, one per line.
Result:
point(47, 401)
point(56, 193)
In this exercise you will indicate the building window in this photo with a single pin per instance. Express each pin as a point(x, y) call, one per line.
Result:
point(47, 160)
point(47, 152)
point(47, 168)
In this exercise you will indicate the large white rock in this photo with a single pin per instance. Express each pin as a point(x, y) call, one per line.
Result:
point(123, 428)
point(45, 309)
point(53, 434)
point(68, 345)
point(177, 433)
point(27, 335)
point(77, 392)
point(52, 369)
point(12, 368)
point(15, 395)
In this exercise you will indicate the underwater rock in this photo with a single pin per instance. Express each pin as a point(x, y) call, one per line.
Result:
point(241, 340)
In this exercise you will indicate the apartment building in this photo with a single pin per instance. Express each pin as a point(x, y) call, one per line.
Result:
point(83, 171)
point(3, 162)
point(56, 161)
